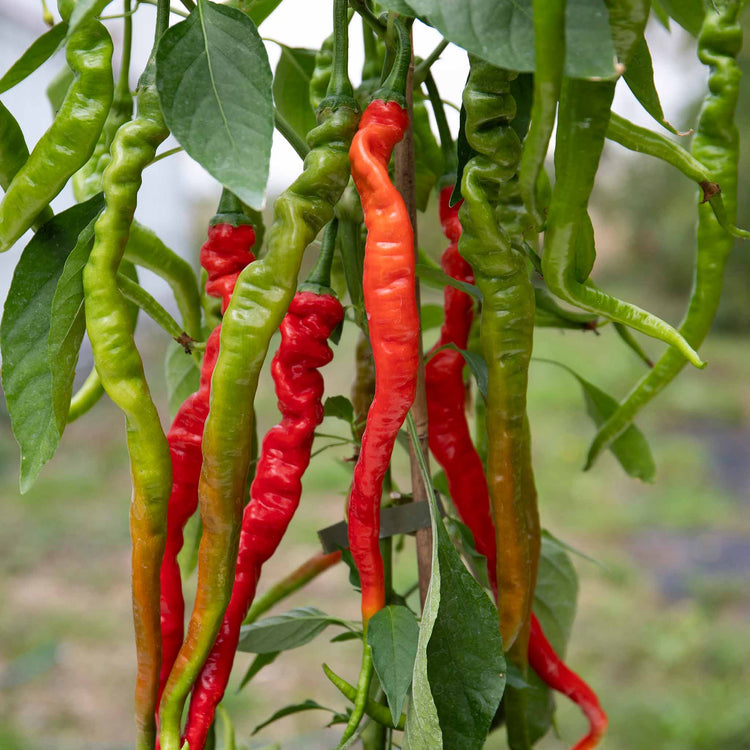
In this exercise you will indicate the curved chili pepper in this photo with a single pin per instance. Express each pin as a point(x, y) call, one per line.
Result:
point(276, 489)
point(70, 140)
point(224, 254)
point(716, 146)
point(262, 295)
point(121, 370)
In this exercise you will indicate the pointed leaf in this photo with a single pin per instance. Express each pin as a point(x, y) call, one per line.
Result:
point(434, 277)
point(256, 10)
point(282, 632)
point(308, 705)
point(215, 88)
point(339, 407)
point(260, 661)
point(85, 10)
point(182, 376)
point(40, 51)
point(24, 333)
point(291, 86)
point(392, 634)
point(688, 13)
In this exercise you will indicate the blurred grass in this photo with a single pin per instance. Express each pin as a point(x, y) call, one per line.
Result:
point(662, 622)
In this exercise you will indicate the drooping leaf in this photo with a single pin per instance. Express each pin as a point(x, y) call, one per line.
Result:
point(13, 149)
point(392, 634)
point(24, 333)
point(58, 88)
point(286, 631)
point(502, 32)
point(41, 49)
point(291, 84)
point(256, 10)
point(182, 376)
point(214, 84)
point(85, 10)
point(477, 365)
point(308, 705)
point(260, 661)
point(688, 13)
point(339, 407)
point(631, 449)
point(434, 277)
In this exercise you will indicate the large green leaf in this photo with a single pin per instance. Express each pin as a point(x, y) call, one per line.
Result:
point(392, 634)
point(40, 50)
point(502, 32)
point(215, 88)
point(289, 630)
point(631, 449)
point(24, 333)
point(291, 88)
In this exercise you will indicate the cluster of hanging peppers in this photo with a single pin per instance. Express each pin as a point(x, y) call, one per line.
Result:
point(494, 202)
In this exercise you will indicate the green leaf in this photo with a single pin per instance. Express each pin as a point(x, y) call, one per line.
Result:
point(432, 316)
point(463, 538)
point(214, 84)
point(435, 278)
point(40, 51)
point(289, 630)
point(182, 376)
point(339, 407)
point(24, 333)
point(58, 88)
point(631, 449)
point(688, 13)
point(291, 86)
point(502, 32)
point(477, 365)
point(260, 661)
point(464, 152)
point(85, 10)
point(227, 730)
point(256, 10)
point(392, 634)
point(308, 705)
point(639, 75)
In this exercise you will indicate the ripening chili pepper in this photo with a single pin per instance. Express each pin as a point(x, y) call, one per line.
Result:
point(275, 492)
point(70, 140)
point(121, 370)
point(224, 254)
point(261, 297)
point(716, 146)
point(582, 124)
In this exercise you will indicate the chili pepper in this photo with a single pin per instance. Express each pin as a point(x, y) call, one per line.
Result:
point(506, 338)
point(224, 254)
point(121, 370)
point(13, 155)
point(716, 146)
point(275, 492)
point(393, 319)
point(71, 138)
point(87, 180)
point(549, 54)
point(262, 295)
point(583, 117)
point(548, 665)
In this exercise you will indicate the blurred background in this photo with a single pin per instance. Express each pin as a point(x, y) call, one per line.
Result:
point(663, 611)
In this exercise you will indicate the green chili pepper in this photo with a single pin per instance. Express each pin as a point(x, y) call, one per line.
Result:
point(716, 146)
point(260, 300)
point(121, 370)
point(71, 138)
point(506, 334)
point(584, 114)
point(549, 52)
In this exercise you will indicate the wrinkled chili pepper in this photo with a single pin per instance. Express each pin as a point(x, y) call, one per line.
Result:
point(261, 297)
point(70, 140)
point(715, 146)
point(121, 370)
point(224, 254)
point(276, 489)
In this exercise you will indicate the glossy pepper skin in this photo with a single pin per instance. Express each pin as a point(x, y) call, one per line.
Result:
point(262, 295)
point(715, 146)
point(507, 325)
point(70, 140)
point(224, 254)
point(390, 303)
point(276, 489)
point(121, 370)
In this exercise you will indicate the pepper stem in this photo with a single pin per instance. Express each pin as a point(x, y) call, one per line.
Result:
point(319, 278)
point(394, 86)
point(339, 91)
point(162, 21)
point(123, 82)
point(230, 210)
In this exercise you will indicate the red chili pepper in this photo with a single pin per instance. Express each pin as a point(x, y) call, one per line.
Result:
point(223, 255)
point(390, 303)
point(548, 665)
point(451, 444)
point(276, 490)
